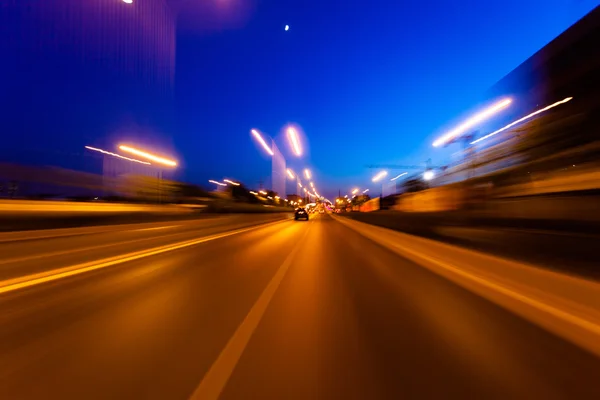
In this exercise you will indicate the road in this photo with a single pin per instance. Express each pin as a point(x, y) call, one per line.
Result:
point(224, 308)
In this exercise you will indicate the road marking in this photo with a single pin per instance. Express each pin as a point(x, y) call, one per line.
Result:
point(49, 276)
point(21, 236)
point(216, 378)
point(88, 248)
point(155, 229)
point(585, 324)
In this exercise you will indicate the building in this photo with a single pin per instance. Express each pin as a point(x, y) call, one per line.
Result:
point(78, 73)
point(555, 107)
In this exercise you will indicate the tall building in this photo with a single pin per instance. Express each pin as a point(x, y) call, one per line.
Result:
point(77, 72)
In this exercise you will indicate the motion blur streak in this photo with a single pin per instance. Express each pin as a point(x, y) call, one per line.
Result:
point(398, 176)
point(262, 142)
point(523, 119)
point(149, 156)
point(379, 176)
point(295, 142)
point(469, 123)
point(52, 275)
point(116, 155)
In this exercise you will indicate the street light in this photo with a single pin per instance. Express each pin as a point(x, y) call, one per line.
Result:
point(262, 142)
point(380, 175)
point(128, 1)
point(290, 173)
point(231, 182)
point(307, 173)
point(355, 191)
point(154, 158)
point(398, 176)
point(217, 183)
point(116, 155)
point(469, 123)
point(148, 156)
point(428, 175)
point(558, 103)
point(294, 141)
point(365, 191)
point(312, 185)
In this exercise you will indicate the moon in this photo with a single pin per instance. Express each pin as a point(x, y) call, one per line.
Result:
point(287, 27)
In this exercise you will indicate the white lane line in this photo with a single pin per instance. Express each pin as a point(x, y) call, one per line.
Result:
point(216, 378)
point(49, 276)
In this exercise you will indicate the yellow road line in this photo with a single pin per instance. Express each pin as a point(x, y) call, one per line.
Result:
point(49, 276)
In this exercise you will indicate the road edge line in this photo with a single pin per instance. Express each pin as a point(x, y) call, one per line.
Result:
point(13, 284)
point(474, 284)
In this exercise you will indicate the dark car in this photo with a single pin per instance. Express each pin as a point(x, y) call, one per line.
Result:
point(301, 213)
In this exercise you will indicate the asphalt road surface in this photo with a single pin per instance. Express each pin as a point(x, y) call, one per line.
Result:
point(227, 309)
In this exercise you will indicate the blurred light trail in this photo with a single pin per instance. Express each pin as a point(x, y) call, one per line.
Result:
point(474, 120)
point(365, 191)
point(294, 141)
point(287, 27)
point(254, 193)
point(290, 173)
point(269, 197)
point(151, 157)
point(428, 175)
point(355, 191)
point(262, 192)
point(533, 114)
point(217, 183)
point(380, 175)
point(307, 173)
point(312, 185)
point(277, 197)
point(231, 182)
point(262, 142)
point(346, 196)
point(398, 176)
point(116, 155)
point(128, 1)
point(299, 184)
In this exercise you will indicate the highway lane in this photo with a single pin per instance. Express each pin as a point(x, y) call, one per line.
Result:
point(34, 252)
point(293, 310)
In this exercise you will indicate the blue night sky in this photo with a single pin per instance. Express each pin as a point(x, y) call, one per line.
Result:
point(368, 81)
